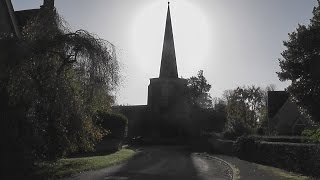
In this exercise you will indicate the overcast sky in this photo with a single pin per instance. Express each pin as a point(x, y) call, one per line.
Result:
point(235, 42)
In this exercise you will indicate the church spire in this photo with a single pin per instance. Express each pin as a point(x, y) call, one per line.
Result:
point(168, 67)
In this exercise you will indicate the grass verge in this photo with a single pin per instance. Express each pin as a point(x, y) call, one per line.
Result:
point(69, 166)
point(282, 173)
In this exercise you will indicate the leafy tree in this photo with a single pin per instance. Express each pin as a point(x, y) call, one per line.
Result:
point(220, 107)
point(300, 63)
point(263, 119)
point(59, 81)
point(199, 91)
point(243, 109)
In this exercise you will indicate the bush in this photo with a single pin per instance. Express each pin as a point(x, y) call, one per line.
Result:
point(312, 135)
point(285, 139)
point(115, 123)
point(221, 146)
point(298, 157)
point(260, 131)
point(245, 147)
point(236, 130)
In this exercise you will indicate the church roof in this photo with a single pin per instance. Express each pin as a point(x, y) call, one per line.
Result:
point(168, 67)
point(8, 19)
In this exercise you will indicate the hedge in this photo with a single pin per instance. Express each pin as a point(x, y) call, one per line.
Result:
point(297, 157)
point(221, 146)
point(286, 139)
point(116, 123)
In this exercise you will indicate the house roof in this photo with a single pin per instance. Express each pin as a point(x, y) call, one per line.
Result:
point(276, 99)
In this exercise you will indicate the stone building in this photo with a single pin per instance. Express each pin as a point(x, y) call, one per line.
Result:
point(167, 95)
point(11, 25)
point(12, 22)
point(167, 112)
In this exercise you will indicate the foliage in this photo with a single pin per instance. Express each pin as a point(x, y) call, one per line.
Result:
point(245, 147)
point(244, 109)
point(313, 135)
point(263, 126)
point(285, 139)
point(300, 64)
point(198, 89)
point(297, 157)
point(235, 128)
point(116, 124)
point(222, 146)
point(57, 83)
point(219, 105)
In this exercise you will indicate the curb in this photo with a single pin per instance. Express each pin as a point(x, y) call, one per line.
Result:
point(235, 171)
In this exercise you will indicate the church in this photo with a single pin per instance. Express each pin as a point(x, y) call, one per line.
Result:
point(166, 114)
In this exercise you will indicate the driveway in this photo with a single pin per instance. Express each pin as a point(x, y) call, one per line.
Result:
point(165, 163)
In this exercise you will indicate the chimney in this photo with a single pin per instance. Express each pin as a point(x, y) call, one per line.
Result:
point(48, 4)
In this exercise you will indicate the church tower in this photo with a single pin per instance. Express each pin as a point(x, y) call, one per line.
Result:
point(167, 102)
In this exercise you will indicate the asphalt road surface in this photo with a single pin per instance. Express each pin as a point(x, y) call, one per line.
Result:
point(163, 163)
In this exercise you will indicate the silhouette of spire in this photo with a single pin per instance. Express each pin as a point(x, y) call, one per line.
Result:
point(48, 4)
point(168, 67)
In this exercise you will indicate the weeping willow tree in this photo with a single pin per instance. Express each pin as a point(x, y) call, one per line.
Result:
point(59, 81)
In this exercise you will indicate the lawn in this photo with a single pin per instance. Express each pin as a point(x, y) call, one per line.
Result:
point(283, 174)
point(69, 166)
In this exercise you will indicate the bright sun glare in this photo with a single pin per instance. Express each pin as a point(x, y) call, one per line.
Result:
point(192, 36)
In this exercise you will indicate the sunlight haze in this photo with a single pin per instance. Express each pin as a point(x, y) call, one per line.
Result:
point(235, 42)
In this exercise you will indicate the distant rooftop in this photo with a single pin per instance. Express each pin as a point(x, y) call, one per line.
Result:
point(276, 99)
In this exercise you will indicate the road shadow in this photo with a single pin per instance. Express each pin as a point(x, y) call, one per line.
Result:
point(158, 163)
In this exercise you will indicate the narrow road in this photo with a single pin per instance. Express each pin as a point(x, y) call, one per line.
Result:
point(163, 163)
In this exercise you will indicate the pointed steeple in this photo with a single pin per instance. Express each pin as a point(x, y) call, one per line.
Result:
point(49, 4)
point(168, 67)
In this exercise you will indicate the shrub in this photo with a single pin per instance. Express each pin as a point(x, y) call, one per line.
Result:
point(236, 130)
point(312, 135)
point(221, 146)
point(298, 157)
point(245, 147)
point(115, 123)
point(285, 139)
point(260, 131)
